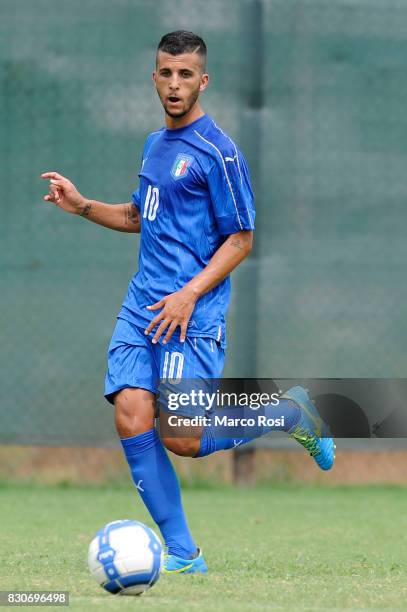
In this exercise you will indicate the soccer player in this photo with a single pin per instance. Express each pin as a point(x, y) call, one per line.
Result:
point(194, 209)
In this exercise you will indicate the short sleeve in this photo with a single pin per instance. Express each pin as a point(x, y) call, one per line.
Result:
point(231, 194)
point(135, 197)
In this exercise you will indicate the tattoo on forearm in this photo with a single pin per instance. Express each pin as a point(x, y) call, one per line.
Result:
point(237, 243)
point(132, 215)
point(241, 241)
point(86, 210)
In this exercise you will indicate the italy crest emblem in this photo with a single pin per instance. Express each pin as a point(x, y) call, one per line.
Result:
point(181, 165)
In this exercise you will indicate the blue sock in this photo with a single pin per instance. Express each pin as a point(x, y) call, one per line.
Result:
point(157, 483)
point(212, 439)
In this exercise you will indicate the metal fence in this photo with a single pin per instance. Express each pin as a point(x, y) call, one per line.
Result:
point(314, 93)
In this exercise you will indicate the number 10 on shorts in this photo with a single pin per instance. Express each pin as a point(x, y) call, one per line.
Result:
point(173, 365)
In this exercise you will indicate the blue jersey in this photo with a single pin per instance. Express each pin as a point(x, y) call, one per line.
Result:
point(194, 191)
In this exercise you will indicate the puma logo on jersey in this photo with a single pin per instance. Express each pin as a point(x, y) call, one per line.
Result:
point(139, 487)
point(232, 159)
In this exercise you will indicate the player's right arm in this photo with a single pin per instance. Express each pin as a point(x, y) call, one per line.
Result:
point(63, 193)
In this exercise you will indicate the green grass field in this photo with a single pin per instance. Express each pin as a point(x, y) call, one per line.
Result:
point(287, 547)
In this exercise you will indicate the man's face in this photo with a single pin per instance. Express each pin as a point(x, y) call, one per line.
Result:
point(179, 79)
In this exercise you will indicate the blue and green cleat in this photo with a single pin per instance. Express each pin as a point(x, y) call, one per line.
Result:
point(311, 431)
point(177, 565)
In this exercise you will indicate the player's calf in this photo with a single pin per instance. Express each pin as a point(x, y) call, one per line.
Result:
point(134, 412)
point(184, 447)
point(182, 438)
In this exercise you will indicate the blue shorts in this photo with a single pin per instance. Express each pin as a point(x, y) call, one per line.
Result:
point(133, 361)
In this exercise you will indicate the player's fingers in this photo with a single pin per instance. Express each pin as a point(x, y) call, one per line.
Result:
point(153, 323)
point(59, 180)
point(54, 194)
point(183, 333)
point(160, 331)
point(170, 331)
point(158, 304)
point(61, 183)
point(51, 175)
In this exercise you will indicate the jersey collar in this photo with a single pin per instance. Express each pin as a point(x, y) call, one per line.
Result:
point(177, 132)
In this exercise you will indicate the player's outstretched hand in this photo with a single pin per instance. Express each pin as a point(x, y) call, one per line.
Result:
point(176, 311)
point(63, 193)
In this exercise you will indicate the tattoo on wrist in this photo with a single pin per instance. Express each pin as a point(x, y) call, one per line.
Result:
point(86, 210)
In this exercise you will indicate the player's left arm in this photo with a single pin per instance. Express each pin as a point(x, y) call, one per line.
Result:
point(177, 307)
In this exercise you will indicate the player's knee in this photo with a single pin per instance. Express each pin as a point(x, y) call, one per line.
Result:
point(128, 425)
point(133, 416)
point(185, 447)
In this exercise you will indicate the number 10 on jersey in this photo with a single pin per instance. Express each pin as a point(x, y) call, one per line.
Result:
point(151, 203)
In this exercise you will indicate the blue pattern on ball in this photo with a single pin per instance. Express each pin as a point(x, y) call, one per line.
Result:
point(106, 555)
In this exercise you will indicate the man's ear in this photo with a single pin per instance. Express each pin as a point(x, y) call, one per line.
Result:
point(204, 82)
point(154, 76)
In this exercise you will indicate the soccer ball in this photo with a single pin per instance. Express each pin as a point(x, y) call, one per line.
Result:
point(125, 557)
